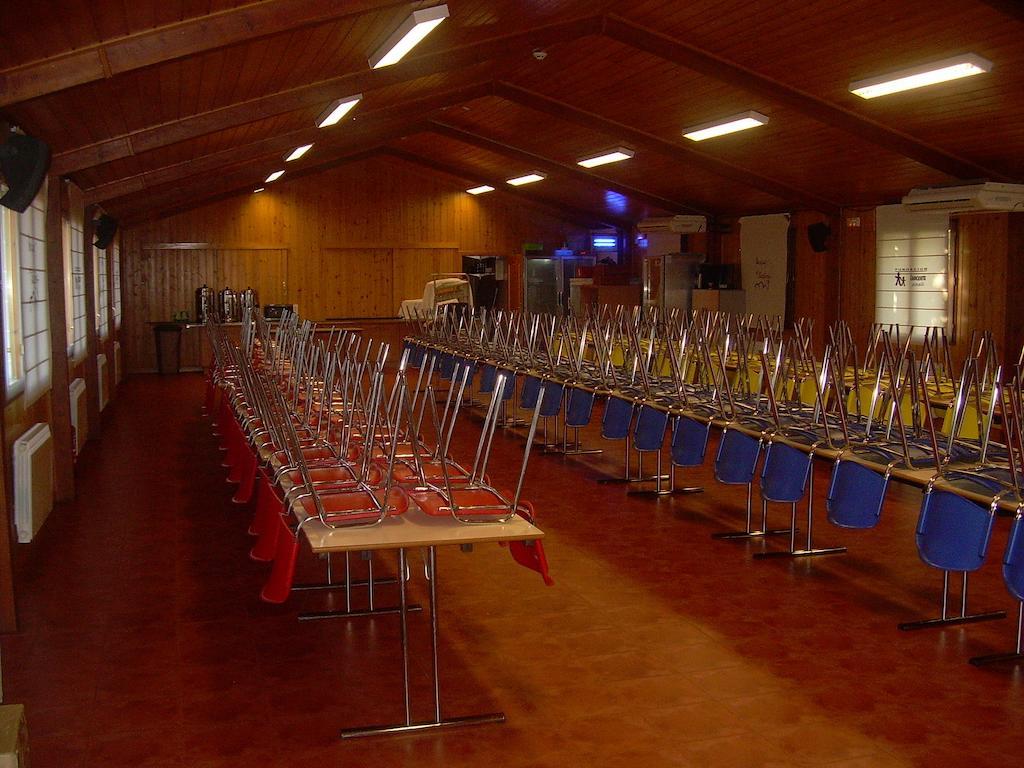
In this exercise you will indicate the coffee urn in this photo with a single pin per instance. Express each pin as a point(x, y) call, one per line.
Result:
point(250, 298)
point(230, 311)
point(204, 302)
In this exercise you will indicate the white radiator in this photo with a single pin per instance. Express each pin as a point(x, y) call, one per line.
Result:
point(117, 363)
point(33, 480)
point(79, 413)
point(101, 375)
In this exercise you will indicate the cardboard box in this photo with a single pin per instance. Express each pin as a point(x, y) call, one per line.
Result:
point(13, 737)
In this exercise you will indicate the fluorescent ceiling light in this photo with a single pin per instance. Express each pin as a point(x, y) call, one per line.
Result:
point(481, 189)
point(274, 177)
point(917, 77)
point(732, 124)
point(611, 156)
point(258, 189)
point(297, 153)
point(417, 26)
point(528, 178)
point(337, 110)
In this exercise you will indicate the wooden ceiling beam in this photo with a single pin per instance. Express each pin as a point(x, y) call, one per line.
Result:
point(414, 110)
point(572, 171)
point(1012, 8)
point(738, 76)
point(682, 153)
point(585, 219)
point(151, 213)
point(174, 41)
point(319, 93)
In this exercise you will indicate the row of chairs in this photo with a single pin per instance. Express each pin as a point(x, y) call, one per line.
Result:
point(777, 407)
point(315, 428)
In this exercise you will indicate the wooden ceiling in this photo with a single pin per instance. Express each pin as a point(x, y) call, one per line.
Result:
point(154, 106)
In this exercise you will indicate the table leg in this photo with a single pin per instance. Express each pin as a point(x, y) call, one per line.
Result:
point(438, 722)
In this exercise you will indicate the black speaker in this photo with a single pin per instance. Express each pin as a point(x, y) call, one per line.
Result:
point(105, 228)
point(24, 162)
point(817, 236)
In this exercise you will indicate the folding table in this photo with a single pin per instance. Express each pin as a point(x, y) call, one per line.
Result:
point(411, 530)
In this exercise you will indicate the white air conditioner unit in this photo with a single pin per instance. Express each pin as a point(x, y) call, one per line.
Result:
point(985, 196)
point(683, 225)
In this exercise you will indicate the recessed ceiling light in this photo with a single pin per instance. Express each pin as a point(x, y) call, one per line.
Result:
point(528, 178)
point(481, 189)
point(611, 156)
point(337, 110)
point(416, 26)
point(297, 153)
point(917, 77)
point(258, 189)
point(273, 177)
point(732, 124)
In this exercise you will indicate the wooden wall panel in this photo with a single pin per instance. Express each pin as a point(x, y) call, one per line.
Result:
point(981, 279)
point(990, 249)
point(856, 263)
point(815, 277)
point(356, 282)
point(378, 204)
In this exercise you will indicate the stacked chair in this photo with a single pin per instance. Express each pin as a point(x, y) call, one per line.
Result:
point(317, 429)
point(896, 410)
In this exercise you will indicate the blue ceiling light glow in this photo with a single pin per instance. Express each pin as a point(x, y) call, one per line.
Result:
point(604, 242)
point(616, 203)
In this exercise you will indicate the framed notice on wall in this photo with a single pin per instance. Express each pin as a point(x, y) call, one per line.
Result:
point(912, 278)
point(764, 252)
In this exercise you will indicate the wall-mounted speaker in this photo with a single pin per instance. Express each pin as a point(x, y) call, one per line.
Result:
point(105, 228)
point(817, 236)
point(24, 162)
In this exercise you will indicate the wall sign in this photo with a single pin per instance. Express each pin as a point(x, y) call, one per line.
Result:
point(912, 268)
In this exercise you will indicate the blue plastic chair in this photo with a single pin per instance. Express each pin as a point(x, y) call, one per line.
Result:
point(953, 534)
point(736, 464)
point(856, 494)
point(649, 437)
point(579, 408)
point(488, 376)
point(786, 477)
point(1013, 576)
point(688, 449)
point(551, 407)
point(615, 425)
point(416, 353)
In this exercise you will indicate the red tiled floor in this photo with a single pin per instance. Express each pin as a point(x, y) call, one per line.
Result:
point(144, 642)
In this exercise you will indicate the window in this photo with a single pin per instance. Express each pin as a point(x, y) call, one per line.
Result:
point(101, 293)
point(115, 268)
point(912, 269)
point(26, 311)
point(74, 282)
point(11, 299)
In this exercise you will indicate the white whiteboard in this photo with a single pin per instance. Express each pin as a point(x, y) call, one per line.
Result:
point(764, 252)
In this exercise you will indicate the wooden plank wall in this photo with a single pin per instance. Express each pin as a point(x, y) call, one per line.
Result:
point(359, 239)
point(990, 280)
point(815, 276)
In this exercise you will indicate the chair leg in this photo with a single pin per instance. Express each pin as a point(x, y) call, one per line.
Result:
point(981, 661)
point(575, 448)
point(659, 489)
point(809, 549)
point(748, 532)
point(685, 488)
point(945, 619)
